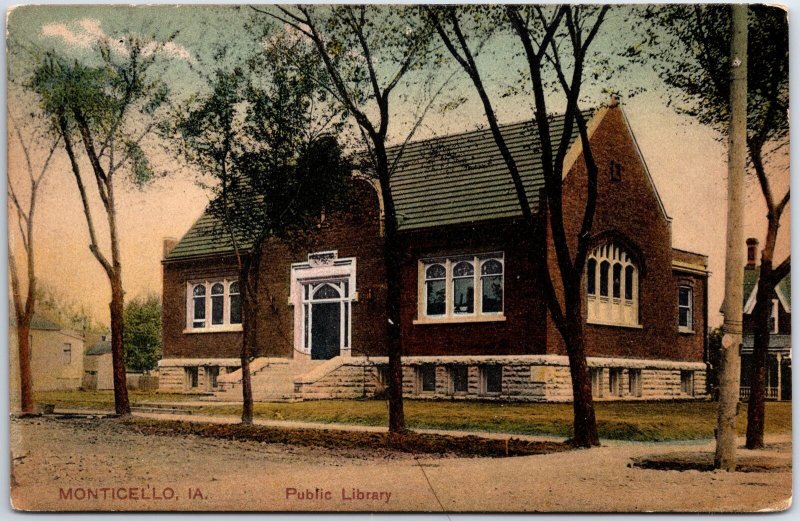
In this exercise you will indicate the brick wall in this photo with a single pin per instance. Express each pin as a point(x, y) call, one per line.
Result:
point(627, 208)
point(354, 234)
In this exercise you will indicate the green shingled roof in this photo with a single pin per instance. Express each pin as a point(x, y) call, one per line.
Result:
point(751, 279)
point(207, 236)
point(463, 178)
point(455, 179)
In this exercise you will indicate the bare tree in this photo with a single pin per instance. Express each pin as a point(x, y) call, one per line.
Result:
point(22, 204)
point(105, 111)
point(558, 38)
point(367, 52)
point(693, 57)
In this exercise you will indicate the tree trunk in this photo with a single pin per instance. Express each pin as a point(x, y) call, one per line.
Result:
point(725, 455)
point(248, 288)
point(397, 422)
point(393, 254)
point(584, 421)
point(761, 333)
point(25, 382)
point(121, 404)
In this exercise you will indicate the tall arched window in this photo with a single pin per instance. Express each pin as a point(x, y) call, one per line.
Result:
point(492, 286)
point(435, 277)
point(199, 305)
point(463, 288)
point(616, 300)
point(235, 303)
point(217, 304)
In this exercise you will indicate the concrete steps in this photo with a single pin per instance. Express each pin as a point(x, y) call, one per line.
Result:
point(273, 381)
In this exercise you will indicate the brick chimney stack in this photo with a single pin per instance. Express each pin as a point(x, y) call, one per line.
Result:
point(752, 251)
point(169, 244)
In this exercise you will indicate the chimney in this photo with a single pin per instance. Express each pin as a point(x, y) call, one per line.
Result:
point(169, 244)
point(613, 102)
point(752, 250)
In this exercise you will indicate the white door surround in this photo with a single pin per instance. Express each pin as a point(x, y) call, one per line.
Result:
point(323, 279)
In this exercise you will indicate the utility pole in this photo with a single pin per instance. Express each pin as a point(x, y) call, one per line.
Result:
point(730, 366)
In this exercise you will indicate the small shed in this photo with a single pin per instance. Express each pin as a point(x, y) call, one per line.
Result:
point(98, 370)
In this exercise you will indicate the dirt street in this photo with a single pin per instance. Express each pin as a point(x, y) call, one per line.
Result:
point(80, 464)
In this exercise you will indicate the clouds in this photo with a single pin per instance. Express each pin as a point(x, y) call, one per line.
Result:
point(87, 32)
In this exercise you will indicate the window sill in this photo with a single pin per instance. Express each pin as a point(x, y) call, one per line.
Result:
point(460, 320)
point(614, 324)
point(235, 328)
point(684, 331)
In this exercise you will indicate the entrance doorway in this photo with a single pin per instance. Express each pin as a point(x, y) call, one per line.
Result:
point(327, 327)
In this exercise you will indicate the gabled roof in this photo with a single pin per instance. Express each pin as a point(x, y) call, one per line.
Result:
point(783, 290)
point(455, 179)
point(206, 237)
point(463, 178)
point(99, 348)
point(39, 323)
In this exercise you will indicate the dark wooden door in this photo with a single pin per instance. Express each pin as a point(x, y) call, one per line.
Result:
point(325, 330)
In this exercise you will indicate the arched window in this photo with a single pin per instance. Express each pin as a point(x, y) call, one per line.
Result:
point(217, 304)
point(199, 305)
point(492, 286)
point(616, 301)
point(435, 276)
point(235, 303)
point(214, 305)
point(463, 288)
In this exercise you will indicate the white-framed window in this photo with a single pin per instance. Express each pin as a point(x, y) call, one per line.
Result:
point(773, 317)
point(687, 383)
point(685, 301)
point(213, 305)
point(462, 288)
point(612, 287)
point(66, 354)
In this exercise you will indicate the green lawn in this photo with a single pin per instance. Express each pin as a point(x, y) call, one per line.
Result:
point(642, 421)
point(104, 399)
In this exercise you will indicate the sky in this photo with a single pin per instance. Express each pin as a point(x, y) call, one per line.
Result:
point(687, 161)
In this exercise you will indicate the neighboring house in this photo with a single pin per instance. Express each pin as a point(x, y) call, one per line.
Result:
point(98, 369)
point(779, 356)
point(473, 316)
point(56, 356)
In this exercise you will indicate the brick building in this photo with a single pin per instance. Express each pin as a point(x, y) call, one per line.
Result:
point(473, 316)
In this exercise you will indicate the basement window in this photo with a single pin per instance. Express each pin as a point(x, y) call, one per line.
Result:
point(687, 383)
point(615, 382)
point(459, 379)
point(426, 378)
point(492, 379)
point(190, 377)
point(635, 382)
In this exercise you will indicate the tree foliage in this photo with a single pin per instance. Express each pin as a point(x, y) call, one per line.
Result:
point(142, 337)
point(103, 111)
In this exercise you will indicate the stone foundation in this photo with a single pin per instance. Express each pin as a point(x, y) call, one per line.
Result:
point(534, 378)
point(174, 373)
